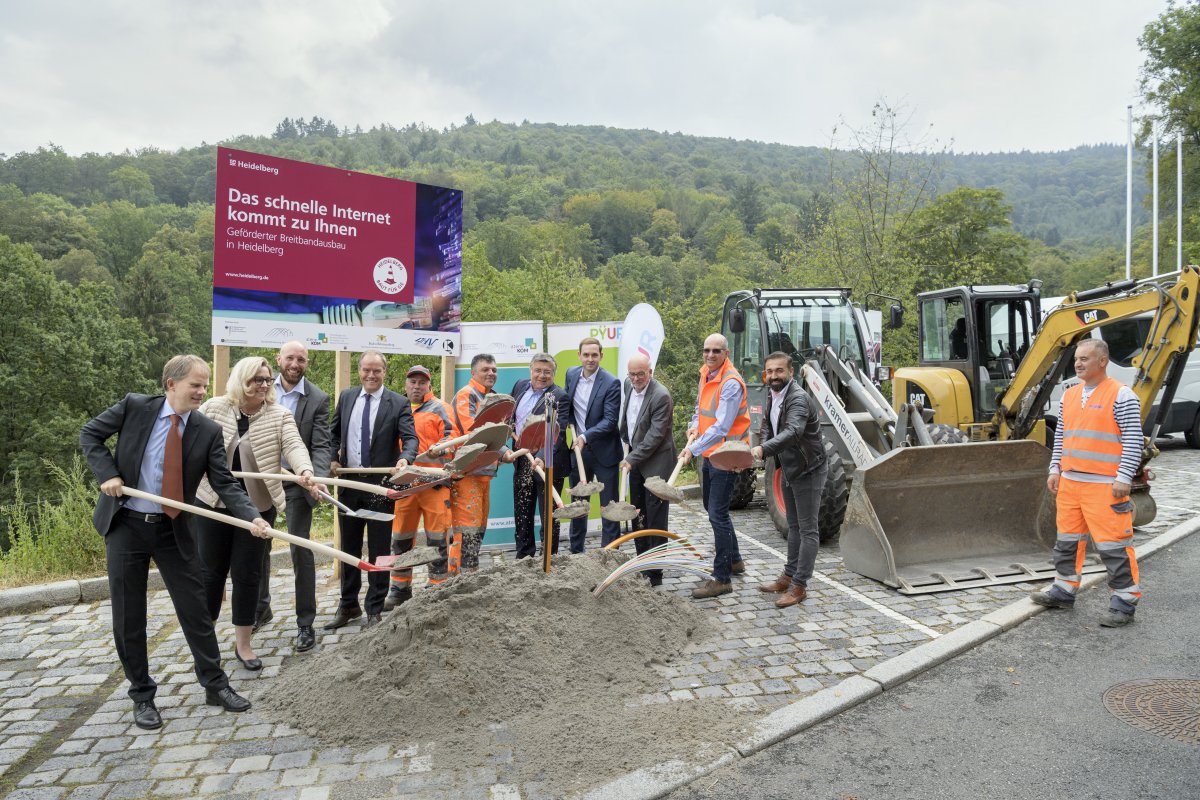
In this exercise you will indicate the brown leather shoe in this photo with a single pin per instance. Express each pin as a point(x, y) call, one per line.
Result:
point(780, 584)
point(792, 596)
point(342, 617)
point(738, 567)
point(711, 589)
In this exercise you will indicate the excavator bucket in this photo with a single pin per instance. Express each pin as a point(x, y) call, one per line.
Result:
point(935, 519)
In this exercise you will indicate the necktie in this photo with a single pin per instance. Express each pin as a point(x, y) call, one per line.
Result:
point(172, 479)
point(365, 435)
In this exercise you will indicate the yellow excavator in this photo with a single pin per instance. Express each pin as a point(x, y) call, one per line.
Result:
point(927, 519)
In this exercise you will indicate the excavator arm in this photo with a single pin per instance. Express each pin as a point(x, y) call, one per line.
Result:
point(1171, 338)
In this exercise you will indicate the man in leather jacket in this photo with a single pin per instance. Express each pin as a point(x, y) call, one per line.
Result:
point(791, 432)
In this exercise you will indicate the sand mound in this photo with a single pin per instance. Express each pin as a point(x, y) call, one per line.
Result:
point(513, 648)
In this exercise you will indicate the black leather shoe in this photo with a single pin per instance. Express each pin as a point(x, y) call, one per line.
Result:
point(263, 618)
point(343, 616)
point(306, 639)
point(374, 619)
point(251, 664)
point(146, 716)
point(227, 699)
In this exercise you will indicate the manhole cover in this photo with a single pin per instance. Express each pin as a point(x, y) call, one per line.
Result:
point(1163, 706)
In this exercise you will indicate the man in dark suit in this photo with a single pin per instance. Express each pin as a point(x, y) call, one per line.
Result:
point(646, 429)
point(595, 396)
point(533, 395)
point(791, 432)
point(310, 406)
point(372, 427)
point(165, 449)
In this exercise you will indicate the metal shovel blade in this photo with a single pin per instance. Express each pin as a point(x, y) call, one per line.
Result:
point(413, 558)
point(361, 513)
point(574, 510)
point(587, 488)
point(464, 456)
point(617, 511)
point(495, 407)
point(663, 490)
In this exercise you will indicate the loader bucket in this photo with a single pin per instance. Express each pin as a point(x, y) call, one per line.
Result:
point(934, 519)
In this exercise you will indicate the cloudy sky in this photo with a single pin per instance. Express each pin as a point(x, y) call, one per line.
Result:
point(982, 75)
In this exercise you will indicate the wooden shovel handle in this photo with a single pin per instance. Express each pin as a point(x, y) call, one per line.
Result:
point(316, 547)
point(578, 455)
point(442, 447)
point(558, 503)
point(370, 488)
point(679, 463)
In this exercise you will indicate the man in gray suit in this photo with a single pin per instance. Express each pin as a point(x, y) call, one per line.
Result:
point(645, 427)
point(310, 406)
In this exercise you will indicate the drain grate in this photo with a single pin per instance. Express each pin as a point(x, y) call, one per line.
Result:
point(1168, 707)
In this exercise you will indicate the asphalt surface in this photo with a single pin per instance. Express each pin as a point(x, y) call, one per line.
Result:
point(1021, 716)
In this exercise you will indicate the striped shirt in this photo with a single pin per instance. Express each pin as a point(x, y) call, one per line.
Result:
point(1127, 411)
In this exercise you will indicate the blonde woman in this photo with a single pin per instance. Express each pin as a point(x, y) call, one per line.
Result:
point(258, 434)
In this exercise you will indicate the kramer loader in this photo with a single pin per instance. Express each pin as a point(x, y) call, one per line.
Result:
point(924, 520)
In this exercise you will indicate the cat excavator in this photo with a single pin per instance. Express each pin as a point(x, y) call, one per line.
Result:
point(928, 519)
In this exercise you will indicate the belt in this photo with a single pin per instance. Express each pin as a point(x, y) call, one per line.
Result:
point(149, 519)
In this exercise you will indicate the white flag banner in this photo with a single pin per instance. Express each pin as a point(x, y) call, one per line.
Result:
point(642, 333)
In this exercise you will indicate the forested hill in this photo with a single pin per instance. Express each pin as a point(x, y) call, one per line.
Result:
point(530, 169)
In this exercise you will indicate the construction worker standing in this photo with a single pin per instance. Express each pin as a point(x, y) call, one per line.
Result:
point(1097, 451)
point(471, 501)
point(432, 505)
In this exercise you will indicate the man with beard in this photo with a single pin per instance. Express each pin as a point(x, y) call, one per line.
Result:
point(791, 432)
point(310, 407)
point(471, 502)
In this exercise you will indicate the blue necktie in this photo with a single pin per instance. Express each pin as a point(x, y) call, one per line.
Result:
point(365, 435)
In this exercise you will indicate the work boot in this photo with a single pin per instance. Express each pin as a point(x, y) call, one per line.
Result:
point(1051, 600)
point(391, 601)
point(1112, 618)
point(342, 617)
point(780, 584)
point(795, 594)
point(739, 567)
point(711, 589)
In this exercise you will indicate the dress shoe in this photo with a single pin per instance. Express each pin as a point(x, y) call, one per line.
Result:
point(795, 594)
point(373, 620)
point(306, 639)
point(1115, 619)
point(263, 618)
point(1051, 600)
point(780, 584)
point(739, 567)
point(227, 698)
point(251, 664)
point(656, 579)
point(343, 616)
point(146, 716)
point(711, 589)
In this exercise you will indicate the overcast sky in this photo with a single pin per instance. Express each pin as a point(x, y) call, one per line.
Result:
point(984, 75)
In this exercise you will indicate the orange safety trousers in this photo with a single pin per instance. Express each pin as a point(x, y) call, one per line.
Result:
point(469, 513)
point(432, 505)
point(1090, 510)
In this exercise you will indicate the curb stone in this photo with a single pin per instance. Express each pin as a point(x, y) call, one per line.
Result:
point(805, 713)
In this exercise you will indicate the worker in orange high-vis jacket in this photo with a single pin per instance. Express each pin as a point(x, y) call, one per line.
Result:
point(470, 501)
point(720, 417)
point(430, 507)
point(1097, 451)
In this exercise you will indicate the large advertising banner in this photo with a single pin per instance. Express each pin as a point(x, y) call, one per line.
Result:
point(562, 342)
point(513, 345)
point(342, 260)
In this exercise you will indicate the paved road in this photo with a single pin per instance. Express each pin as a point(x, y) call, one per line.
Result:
point(1019, 717)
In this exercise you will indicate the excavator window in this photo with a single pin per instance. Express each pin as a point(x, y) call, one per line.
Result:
point(944, 335)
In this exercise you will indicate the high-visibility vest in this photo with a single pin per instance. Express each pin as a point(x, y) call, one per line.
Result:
point(432, 420)
point(710, 395)
point(466, 406)
point(1091, 436)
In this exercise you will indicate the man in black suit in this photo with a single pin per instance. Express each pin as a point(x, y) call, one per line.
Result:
point(595, 395)
point(791, 432)
point(646, 429)
point(165, 449)
point(310, 406)
point(372, 427)
point(533, 395)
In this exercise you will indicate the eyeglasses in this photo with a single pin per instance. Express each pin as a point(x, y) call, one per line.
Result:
point(259, 380)
point(714, 349)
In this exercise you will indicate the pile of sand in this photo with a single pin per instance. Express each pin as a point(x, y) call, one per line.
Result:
point(562, 669)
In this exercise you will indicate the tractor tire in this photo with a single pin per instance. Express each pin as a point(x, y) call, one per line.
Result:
point(946, 434)
point(743, 490)
point(834, 497)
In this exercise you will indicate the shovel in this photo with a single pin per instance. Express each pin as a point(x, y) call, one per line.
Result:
point(583, 488)
point(493, 434)
point(619, 510)
point(665, 490)
point(579, 508)
point(361, 513)
point(370, 488)
point(382, 564)
point(732, 456)
point(495, 407)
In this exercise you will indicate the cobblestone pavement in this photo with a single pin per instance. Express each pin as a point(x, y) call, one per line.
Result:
point(66, 727)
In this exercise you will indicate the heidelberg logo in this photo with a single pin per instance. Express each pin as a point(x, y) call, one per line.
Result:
point(391, 276)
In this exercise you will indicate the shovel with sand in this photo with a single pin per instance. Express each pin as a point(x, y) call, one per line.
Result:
point(665, 490)
point(574, 510)
point(583, 488)
point(620, 510)
point(492, 435)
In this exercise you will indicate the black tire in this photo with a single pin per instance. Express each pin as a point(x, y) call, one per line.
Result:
point(834, 496)
point(1192, 435)
point(743, 490)
point(946, 434)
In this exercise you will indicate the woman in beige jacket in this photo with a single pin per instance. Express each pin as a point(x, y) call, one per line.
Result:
point(260, 436)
